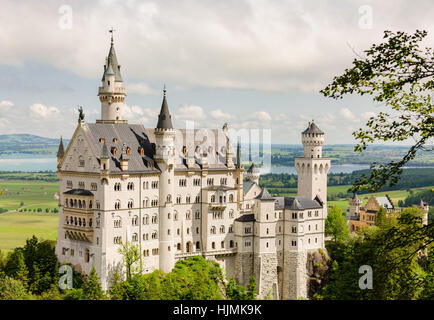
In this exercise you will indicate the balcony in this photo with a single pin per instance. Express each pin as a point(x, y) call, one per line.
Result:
point(78, 233)
point(102, 90)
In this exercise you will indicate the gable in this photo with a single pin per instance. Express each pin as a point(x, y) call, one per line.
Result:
point(79, 156)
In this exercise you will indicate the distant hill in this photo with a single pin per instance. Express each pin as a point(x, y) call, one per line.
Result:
point(28, 144)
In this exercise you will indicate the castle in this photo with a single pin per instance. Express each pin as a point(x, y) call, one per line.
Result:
point(364, 216)
point(177, 193)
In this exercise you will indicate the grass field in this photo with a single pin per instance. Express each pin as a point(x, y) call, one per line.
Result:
point(16, 227)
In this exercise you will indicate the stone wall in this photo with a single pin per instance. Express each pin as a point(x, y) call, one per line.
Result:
point(243, 268)
point(266, 275)
point(294, 275)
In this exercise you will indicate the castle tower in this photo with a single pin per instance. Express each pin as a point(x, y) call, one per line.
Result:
point(253, 174)
point(111, 93)
point(312, 168)
point(265, 256)
point(239, 177)
point(164, 157)
point(355, 204)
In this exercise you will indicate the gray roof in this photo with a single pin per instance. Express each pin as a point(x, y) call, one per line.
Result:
point(135, 136)
point(112, 65)
point(164, 118)
point(247, 185)
point(79, 192)
point(249, 217)
point(296, 203)
point(104, 151)
point(312, 128)
point(385, 202)
point(264, 195)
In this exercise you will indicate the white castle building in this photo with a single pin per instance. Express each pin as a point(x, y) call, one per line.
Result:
point(177, 193)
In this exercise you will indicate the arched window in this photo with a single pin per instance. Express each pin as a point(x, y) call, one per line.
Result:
point(231, 198)
point(213, 198)
point(117, 204)
point(213, 230)
point(135, 221)
point(197, 245)
point(146, 219)
point(81, 161)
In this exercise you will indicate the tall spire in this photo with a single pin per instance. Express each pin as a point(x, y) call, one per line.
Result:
point(61, 150)
point(164, 118)
point(112, 65)
point(238, 154)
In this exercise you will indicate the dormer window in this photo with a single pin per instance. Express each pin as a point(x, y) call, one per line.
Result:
point(101, 140)
point(115, 140)
point(142, 151)
point(114, 151)
point(128, 150)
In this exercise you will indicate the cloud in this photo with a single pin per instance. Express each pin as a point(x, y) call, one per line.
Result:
point(368, 114)
point(141, 89)
point(261, 116)
point(190, 113)
point(5, 105)
point(347, 114)
point(260, 45)
point(40, 111)
point(218, 114)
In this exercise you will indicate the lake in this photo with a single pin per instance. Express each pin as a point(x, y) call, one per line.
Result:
point(43, 163)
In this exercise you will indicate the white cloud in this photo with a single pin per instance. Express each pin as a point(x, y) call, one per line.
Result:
point(5, 105)
point(141, 89)
point(347, 114)
point(218, 114)
point(262, 45)
point(368, 114)
point(40, 111)
point(261, 116)
point(190, 113)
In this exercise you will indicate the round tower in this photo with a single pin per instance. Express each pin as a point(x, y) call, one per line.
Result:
point(253, 174)
point(164, 156)
point(312, 139)
point(112, 93)
point(355, 204)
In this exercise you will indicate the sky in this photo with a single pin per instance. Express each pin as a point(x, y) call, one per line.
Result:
point(255, 64)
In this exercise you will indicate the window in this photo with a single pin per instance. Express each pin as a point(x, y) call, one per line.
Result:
point(210, 181)
point(154, 203)
point(213, 230)
point(117, 222)
point(155, 251)
point(231, 243)
point(130, 204)
point(247, 244)
point(213, 198)
point(231, 229)
point(135, 221)
point(222, 244)
point(294, 243)
point(169, 198)
point(223, 181)
point(196, 182)
point(178, 199)
point(117, 205)
point(145, 184)
point(188, 199)
point(213, 245)
point(231, 198)
point(154, 185)
point(135, 237)
point(146, 253)
point(248, 230)
point(231, 214)
point(294, 229)
point(197, 245)
point(81, 184)
point(130, 186)
point(146, 219)
point(80, 161)
point(154, 235)
point(117, 187)
point(188, 215)
point(197, 215)
point(145, 236)
point(93, 186)
point(316, 213)
point(197, 200)
point(222, 229)
point(182, 182)
point(197, 230)
point(154, 219)
point(294, 215)
point(175, 216)
point(117, 240)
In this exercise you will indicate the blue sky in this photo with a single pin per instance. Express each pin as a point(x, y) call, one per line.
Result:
point(254, 64)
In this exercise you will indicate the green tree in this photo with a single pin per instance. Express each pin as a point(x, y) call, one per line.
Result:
point(251, 289)
point(131, 255)
point(117, 288)
point(16, 267)
point(13, 289)
point(92, 287)
point(399, 74)
point(336, 225)
point(381, 218)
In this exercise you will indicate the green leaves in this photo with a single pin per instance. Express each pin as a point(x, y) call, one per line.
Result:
point(398, 74)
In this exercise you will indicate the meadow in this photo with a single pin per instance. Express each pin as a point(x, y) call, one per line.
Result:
point(16, 225)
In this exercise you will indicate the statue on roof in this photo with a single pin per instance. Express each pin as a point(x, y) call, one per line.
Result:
point(80, 114)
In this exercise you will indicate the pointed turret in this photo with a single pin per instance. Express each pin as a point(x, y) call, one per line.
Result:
point(60, 153)
point(238, 154)
point(104, 158)
point(164, 118)
point(111, 93)
point(253, 174)
point(61, 150)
